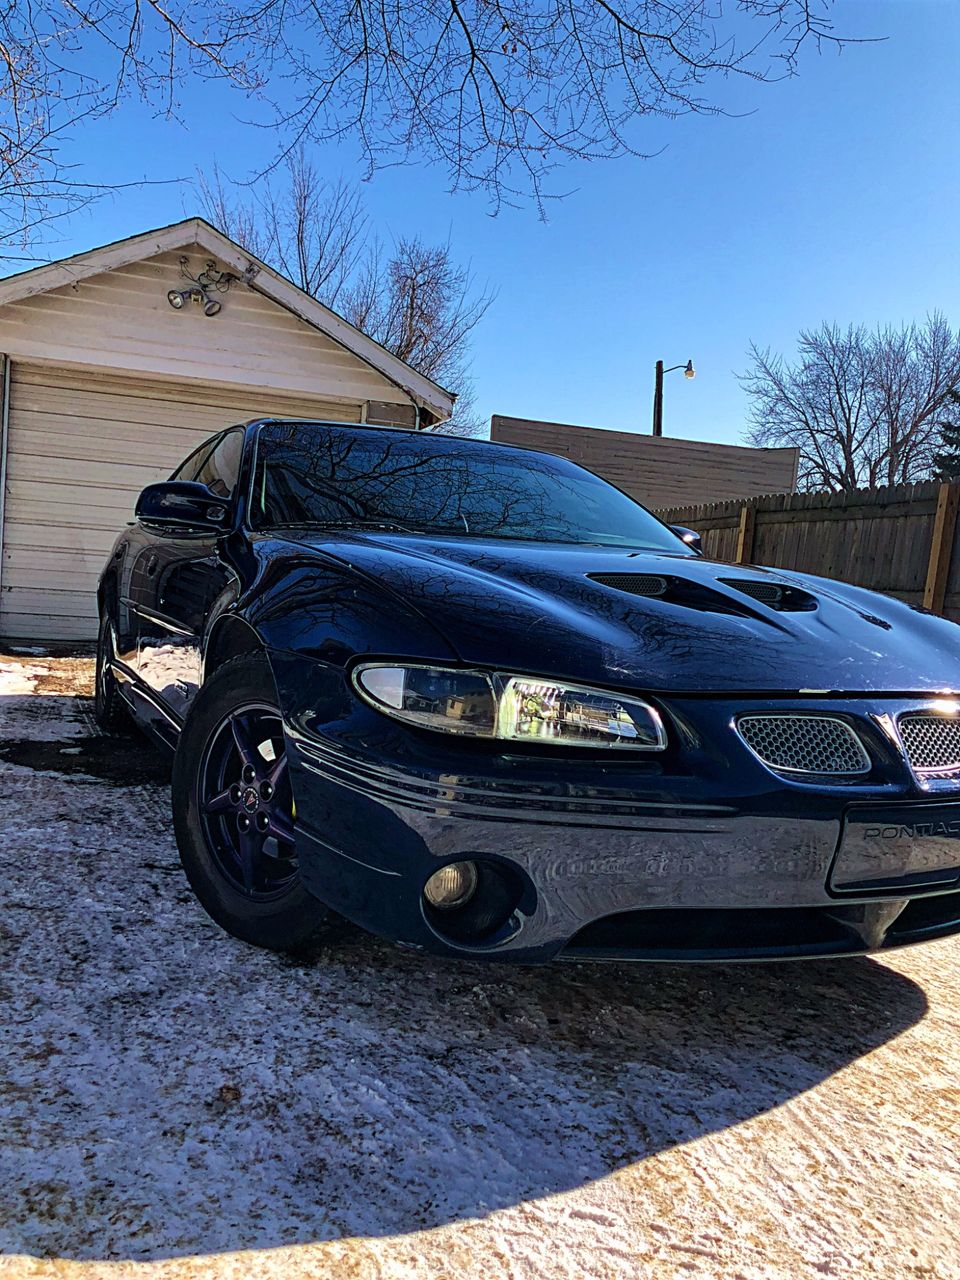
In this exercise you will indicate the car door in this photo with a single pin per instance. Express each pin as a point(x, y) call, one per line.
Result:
point(179, 575)
point(138, 556)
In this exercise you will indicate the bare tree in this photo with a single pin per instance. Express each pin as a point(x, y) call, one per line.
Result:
point(417, 304)
point(496, 91)
point(414, 300)
point(862, 406)
point(423, 307)
point(311, 229)
point(241, 220)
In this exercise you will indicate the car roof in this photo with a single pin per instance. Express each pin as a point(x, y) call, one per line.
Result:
point(432, 432)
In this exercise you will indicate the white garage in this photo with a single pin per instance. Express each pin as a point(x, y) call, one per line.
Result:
point(107, 382)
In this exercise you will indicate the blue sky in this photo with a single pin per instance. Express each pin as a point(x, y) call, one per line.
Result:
point(835, 197)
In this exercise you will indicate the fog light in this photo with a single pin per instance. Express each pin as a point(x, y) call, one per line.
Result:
point(451, 886)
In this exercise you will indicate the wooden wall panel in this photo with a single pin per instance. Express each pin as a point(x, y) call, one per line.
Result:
point(657, 471)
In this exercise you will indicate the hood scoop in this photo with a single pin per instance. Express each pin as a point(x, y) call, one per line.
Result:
point(698, 595)
point(775, 595)
point(637, 584)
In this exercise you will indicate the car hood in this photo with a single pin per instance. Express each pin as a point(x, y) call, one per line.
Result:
point(537, 608)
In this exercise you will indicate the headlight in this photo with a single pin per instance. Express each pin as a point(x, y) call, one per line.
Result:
point(514, 708)
point(543, 711)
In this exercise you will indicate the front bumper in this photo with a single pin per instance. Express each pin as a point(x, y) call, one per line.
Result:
point(704, 856)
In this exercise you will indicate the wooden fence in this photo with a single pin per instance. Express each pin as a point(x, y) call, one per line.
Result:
point(901, 539)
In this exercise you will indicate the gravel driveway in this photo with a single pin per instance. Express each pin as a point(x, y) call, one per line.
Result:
point(174, 1103)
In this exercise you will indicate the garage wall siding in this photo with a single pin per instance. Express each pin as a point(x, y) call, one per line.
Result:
point(81, 446)
point(121, 319)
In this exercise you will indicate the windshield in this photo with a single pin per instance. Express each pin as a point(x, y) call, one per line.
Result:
point(310, 474)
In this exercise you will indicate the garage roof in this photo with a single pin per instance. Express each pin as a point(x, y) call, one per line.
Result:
point(197, 232)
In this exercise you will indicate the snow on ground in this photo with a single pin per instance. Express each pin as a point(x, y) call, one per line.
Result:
point(175, 1104)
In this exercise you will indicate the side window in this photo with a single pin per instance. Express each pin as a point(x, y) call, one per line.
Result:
point(221, 469)
point(188, 470)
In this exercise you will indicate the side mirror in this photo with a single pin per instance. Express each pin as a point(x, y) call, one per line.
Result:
point(690, 537)
point(182, 504)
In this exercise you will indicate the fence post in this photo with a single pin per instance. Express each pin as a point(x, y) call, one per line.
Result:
point(941, 547)
point(748, 520)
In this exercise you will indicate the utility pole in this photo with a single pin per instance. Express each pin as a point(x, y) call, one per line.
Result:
point(688, 372)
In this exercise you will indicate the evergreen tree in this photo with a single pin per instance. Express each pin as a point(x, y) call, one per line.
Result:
point(946, 461)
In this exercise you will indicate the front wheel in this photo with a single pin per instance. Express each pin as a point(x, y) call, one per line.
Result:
point(109, 709)
point(233, 811)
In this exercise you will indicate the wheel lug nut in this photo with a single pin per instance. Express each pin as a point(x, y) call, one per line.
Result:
point(243, 822)
point(235, 793)
point(262, 822)
point(249, 774)
point(266, 791)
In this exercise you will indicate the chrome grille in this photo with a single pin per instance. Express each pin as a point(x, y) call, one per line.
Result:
point(932, 742)
point(820, 745)
point(638, 584)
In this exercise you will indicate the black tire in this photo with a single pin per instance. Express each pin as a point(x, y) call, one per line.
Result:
point(245, 877)
point(109, 709)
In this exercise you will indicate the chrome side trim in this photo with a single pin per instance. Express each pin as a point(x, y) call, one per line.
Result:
point(135, 686)
point(158, 618)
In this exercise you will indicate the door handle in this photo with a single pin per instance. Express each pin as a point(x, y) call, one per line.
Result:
point(152, 566)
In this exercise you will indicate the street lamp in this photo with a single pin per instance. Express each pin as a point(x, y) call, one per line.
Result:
point(688, 372)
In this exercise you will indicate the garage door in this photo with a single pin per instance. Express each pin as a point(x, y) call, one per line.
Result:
point(81, 446)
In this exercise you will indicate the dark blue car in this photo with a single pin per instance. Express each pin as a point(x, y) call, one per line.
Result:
point(479, 701)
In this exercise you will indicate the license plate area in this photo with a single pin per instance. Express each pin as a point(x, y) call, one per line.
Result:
point(913, 847)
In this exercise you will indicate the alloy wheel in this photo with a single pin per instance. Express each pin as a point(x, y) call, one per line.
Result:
point(246, 802)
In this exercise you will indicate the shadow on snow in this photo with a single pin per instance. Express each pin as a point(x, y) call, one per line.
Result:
point(165, 1090)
